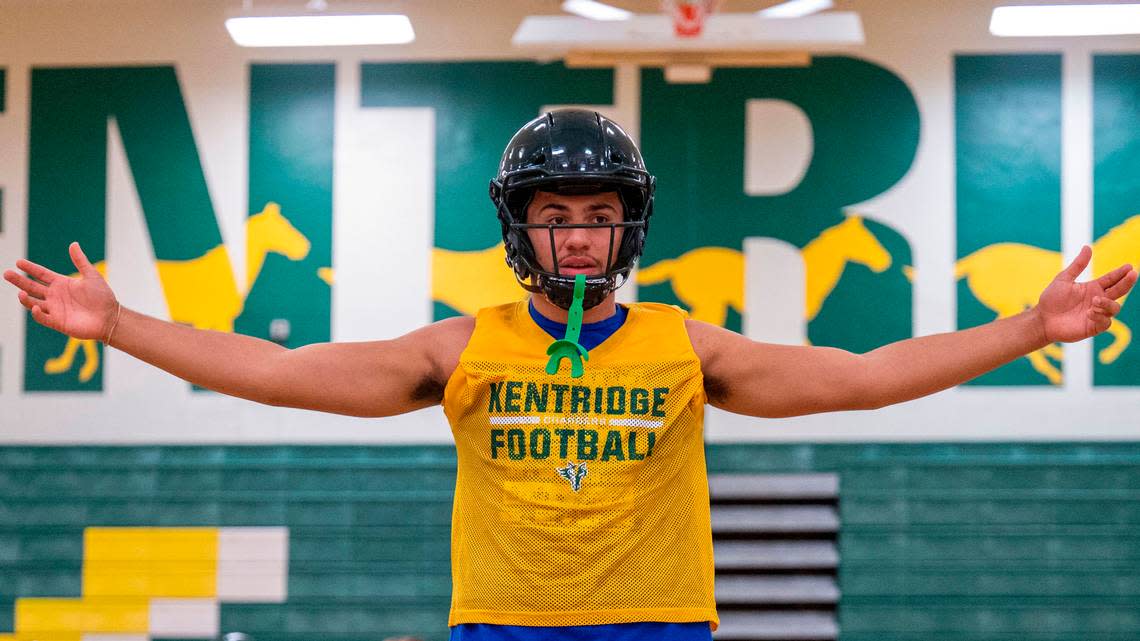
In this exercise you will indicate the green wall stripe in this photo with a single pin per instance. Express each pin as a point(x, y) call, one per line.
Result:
point(68, 120)
point(1008, 155)
point(1008, 170)
point(291, 128)
point(1116, 191)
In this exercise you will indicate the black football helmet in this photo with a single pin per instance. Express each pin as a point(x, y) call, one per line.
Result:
point(572, 151)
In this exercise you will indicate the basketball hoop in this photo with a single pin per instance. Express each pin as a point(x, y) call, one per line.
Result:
point(689, 15)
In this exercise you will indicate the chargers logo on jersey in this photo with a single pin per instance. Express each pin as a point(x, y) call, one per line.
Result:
point(573, 473)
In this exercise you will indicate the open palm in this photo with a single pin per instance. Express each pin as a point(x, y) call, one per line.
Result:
point(81, 307)
point(1072, 311)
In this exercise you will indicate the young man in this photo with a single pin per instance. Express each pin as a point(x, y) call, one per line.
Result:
point(581, 504)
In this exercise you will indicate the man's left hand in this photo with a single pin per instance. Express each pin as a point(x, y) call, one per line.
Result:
point(1072, 311)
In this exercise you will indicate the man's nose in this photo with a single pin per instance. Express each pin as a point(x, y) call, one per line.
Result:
point(576, 238)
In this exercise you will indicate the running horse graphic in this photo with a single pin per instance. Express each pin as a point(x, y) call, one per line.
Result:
point(201, 292)
point(709, 280)
point(1008, 278)
point(468, 281)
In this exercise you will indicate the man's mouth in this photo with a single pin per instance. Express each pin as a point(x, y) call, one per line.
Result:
point(576, 265)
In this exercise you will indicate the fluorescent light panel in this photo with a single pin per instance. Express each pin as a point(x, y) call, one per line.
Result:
point(595, 10)
point(554, 35)
point(320, 30)
point(1066, 20)
point(796, 8)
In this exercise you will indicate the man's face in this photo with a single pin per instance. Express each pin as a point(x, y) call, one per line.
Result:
point(579, 251)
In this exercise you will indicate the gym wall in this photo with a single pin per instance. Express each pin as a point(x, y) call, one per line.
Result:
point(896, 189)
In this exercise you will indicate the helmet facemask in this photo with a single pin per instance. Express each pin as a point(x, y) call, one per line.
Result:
point(557, 285)
point(572, 152)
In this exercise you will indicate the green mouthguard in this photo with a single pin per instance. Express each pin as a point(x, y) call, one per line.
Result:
point(569, 347)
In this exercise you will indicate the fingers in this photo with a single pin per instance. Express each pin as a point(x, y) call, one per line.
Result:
point(1122, 285)
point(1078, 265)
point(1100, 321)
point(38, 272)
point(1107, 280)
point(33, 287)
point(32, 293)
point(1100, 313)
point(1105, 306)
point(27, 301)
point(83, 265)
point(36, 307)
point(42, 317)
point(32, 304)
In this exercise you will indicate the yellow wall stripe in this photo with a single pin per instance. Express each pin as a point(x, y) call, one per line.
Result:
point(150, 544)
point(82, 615)
point(170, 579)
point(156, 562)
point(41, 637)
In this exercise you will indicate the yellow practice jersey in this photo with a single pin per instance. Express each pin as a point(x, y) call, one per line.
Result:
point(580, 501)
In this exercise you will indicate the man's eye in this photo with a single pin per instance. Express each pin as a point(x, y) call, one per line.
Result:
point(601, 219)
point(557, 220)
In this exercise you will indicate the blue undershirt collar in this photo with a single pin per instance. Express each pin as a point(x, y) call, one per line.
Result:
point(593, 334)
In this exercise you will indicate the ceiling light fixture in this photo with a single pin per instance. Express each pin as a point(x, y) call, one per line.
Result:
point(734, 32)
point(1066, 20)
point(595, 10)
point(796, 8)
point(320, 30)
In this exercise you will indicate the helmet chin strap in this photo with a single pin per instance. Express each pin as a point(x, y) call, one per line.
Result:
point(569, 347)
point(560, 290)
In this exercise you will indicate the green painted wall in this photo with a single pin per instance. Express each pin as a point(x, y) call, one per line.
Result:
point(692, 138)
point(1008, 172)
point(67, 184)
point(957, 542)
point(1116, 190)
point(291, 163)
point(939, 541)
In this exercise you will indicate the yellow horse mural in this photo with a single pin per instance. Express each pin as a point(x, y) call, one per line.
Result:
point(1009, 277)
point(470, 281)
point(202, 292)
point(709, 280)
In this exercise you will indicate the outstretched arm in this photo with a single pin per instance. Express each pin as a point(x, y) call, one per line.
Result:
point(378, 378)
point(761, 379)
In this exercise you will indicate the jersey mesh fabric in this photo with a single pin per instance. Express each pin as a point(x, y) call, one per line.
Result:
point(580, 501)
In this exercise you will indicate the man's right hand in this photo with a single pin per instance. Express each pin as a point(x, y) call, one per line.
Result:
point(82, 307)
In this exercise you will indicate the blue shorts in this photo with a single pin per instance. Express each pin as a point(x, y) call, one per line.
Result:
point(648, 631)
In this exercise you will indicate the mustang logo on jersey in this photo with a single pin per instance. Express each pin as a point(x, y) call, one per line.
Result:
point(573, 473)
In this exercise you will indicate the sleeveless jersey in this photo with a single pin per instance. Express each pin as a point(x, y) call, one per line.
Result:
point(580, 501)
